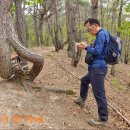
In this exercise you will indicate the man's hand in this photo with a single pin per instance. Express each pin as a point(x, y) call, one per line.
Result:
point(81, 45)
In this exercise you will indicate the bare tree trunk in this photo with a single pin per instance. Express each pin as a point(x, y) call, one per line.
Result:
point(114, 8)
point(113, 70)
point(73, 21)
point(58, 41)
point(9, 37)
point(87, 11)
point(40, 28)
point(50, 28)
point(108, 16)
point(119, 18)
point(62, 37)
point(20, 24)
point(40, 19)
point(40, 12)
point(77, 34)
point(47, 37)
point(101, 12)
point(115, 5)
point(26, 25)
point(127, 47)
point(94, 13)
point(69, 19)
point(37, 40)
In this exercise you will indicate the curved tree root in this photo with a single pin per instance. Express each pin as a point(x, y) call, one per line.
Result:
point(23, 52)
point(36, 59)
point(8, 36)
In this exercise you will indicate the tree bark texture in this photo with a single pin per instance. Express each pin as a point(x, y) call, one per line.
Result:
point(72, 22)
point(8, 37)
point(20, 25)
point(113, 27)
point(114, 8)
point(58, 39)
point(119, 18)
point(37, 38)
point(94, 9)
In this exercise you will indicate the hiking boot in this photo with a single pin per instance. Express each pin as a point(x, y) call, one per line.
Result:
point(97, 122)
point(80, 101)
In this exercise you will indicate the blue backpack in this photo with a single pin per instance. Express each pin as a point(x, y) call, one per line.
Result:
point(113, 50)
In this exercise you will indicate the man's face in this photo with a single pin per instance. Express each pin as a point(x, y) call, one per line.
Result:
point(92, 28)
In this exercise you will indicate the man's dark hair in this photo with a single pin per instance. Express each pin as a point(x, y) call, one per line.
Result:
point(92, 21)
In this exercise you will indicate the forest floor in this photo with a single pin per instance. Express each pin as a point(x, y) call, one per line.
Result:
point(49, 104)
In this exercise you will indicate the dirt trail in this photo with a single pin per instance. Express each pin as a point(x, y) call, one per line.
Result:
point(42, 109)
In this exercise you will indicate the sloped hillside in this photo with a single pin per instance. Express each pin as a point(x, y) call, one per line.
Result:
point(49, 102)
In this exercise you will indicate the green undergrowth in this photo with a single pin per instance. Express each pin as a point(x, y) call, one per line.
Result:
point(117, 83)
